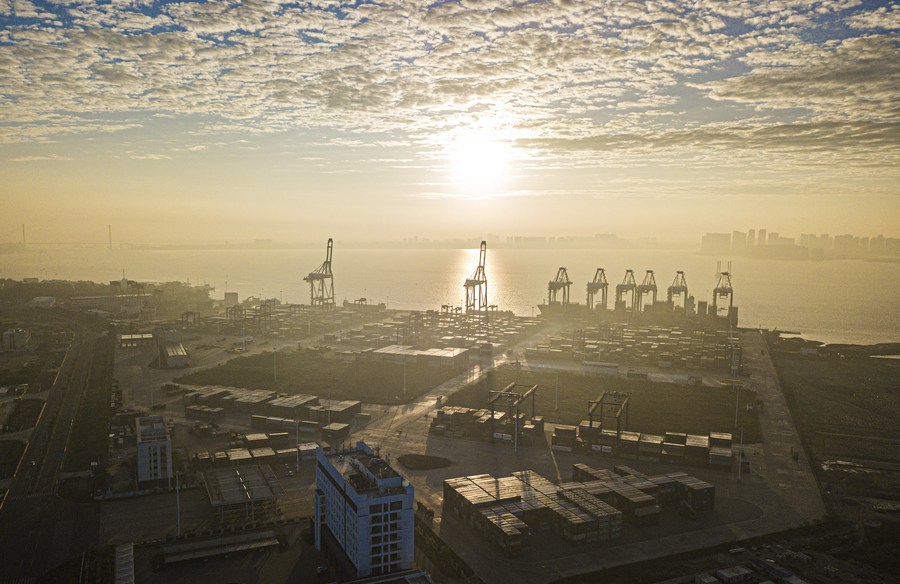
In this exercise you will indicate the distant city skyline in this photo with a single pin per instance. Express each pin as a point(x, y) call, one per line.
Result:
point(190, 122)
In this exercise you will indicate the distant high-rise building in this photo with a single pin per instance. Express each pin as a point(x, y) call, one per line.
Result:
point(738, 241)
point(364, 512)
point(716, 243)
point(751, 238)
point(761, 240)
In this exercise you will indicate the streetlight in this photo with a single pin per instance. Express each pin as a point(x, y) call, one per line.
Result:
point(178, 503)
point(297, 445)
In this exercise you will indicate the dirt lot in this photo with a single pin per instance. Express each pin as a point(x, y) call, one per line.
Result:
point(847, 409)
point(322, 373)
point(655, 407)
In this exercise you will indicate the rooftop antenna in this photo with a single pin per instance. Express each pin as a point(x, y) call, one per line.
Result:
point(23, 236)
point(110, 236)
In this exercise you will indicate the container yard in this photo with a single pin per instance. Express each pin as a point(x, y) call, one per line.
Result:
point(604, 432)
point(512, 511)
point(614, 349)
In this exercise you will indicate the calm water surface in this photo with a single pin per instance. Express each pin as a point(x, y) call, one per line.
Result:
point(833, 301)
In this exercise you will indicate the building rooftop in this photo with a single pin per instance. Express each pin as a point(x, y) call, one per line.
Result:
point(151, 429)
point(368, 473)
point(233, 486)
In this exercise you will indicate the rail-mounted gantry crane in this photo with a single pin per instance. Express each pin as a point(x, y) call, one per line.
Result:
point(476, 284)
point(514, 397)
point(598, 284)
point(648, 286)
point(613, 407)
point(626, 288)
point(321, 282)
point(723, 290)
point(678, 290)
point(561, 282)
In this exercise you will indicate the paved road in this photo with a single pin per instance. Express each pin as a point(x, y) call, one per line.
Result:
point(39, 529)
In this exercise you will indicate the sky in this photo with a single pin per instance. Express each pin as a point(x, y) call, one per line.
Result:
point(225, 121)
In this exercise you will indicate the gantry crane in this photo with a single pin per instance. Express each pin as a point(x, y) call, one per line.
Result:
point(648, 286)
point(678, 289)
point(321, 282)
point(513, 399)
point(598, 284)
point(561, 282)
point(476, 284)
point(723, 289)
point(627, 287)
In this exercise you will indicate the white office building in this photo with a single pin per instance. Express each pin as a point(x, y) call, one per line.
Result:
point(154, 452)
point(364, 513)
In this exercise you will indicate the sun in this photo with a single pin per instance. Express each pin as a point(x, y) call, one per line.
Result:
point(479, 162)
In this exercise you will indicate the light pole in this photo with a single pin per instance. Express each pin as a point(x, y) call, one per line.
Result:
point(557, 391)
point(178, 503)
point(297, 445)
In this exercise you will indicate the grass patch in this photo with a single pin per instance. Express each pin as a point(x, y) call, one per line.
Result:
point(655, 408)
point(423, 461)
point(322, 373)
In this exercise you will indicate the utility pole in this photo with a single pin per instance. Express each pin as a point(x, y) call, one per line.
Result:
point(297, 445)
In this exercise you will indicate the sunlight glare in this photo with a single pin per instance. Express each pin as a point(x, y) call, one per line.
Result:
point(480, 164)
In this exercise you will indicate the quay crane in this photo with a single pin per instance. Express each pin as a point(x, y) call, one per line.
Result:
point(678, 289)
point(723, 290)
point(561, 282)
point(321, 282)
point(626, 288)
point(598, 284)
point(648, 286)
point(476, 284)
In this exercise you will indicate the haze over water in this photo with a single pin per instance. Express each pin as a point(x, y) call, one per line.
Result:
point(839, 301)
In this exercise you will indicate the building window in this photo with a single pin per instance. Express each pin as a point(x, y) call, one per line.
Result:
point(396, 505)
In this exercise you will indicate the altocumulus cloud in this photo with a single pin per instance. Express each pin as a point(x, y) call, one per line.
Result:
point(581, 78)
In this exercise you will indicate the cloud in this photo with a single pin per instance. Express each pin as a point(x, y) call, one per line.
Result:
point(577, 75)
point(39, 158)
point(856, 78)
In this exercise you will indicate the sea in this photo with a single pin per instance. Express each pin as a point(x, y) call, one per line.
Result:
point(832, 301)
